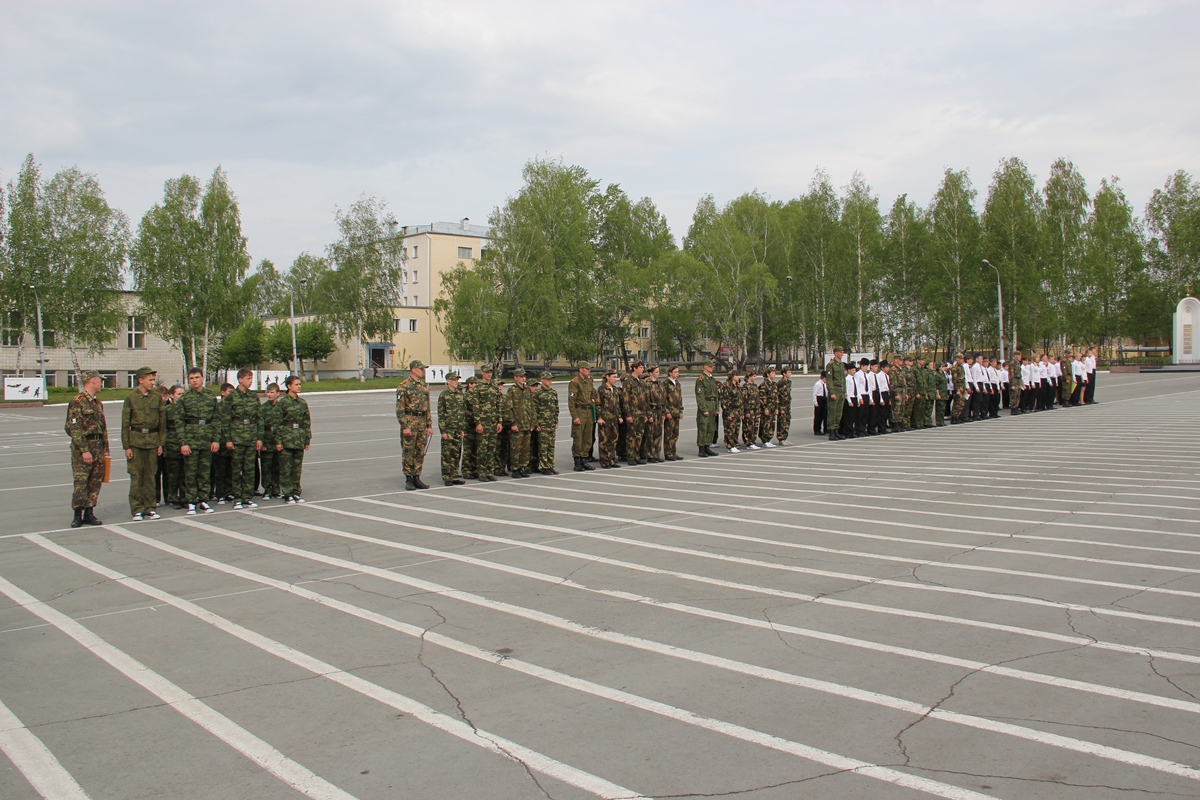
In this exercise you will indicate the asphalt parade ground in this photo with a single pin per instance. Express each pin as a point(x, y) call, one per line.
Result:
point(1004, 609)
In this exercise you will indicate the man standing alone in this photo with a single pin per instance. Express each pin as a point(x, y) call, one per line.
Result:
point(412, 412)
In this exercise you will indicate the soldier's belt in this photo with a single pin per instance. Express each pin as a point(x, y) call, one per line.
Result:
point(246, 421)
point(144, 430)
point(293, 425)
point(194, 421)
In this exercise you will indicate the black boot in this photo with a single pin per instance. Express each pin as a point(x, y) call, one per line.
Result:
point(89, 518)
point(578, 464)
point(587, 467)
point(704, 452)
point(418, 483)
point(711, 452)
point(408, 483)
point(75, 523)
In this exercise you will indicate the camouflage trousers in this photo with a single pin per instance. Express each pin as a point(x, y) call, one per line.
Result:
point(518, 450)
point(452, 447)
point(652, 440)
point(899, 411)
point(939, 412)
point(545, 453)
point(486, 451)
point(635, 432)
point(608, 444)
point(960, 405)
point(783, 425)
point(268, 465)
point(733, 426)
point(87, 477)
point(750, 425)
point(291, 464)
point(414, 451)
point(920, 413)
point(1014, 395)
point(222, 473)
point(173, 475)
point(197, 475)
point(833, 413)
point(142, 469)
point(470, 445)
point(582, 436)
point(670, 436)
point(244, 456)
point(706, 429)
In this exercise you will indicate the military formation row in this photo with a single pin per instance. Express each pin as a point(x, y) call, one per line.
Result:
point(188, 429)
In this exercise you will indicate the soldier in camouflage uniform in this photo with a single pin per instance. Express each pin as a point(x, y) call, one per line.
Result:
point(958, 374)
point(900, 394)
point(545, 412)
point(783, 400)
point(1015, 383)
point(244, 429)
point(768, 403)
point(920, 404)
point(89, 447)
point(708, 406)
point(143, 431)
point(199, 426)
point(292, 439)
point(608, 419)
point(416, 424)
point(730, 394)
point(471, 439)
point(636, 396)
point(940, 388)
point(623, 433)
point(581, 407)
point(835, 380)
point(452, 425)
point(517, 413)
point(751, 411)
point(672, 413)
point(222, 460)
point(656, 409)
point(269, 456)
point(173, 459)
point(483, 410)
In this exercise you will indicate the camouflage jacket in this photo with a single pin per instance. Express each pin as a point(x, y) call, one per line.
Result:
point(656, 400)
point(1014, 374)
point(750, 402)
point(958, 374)
point(517, 408)
point(483, 405)
point(199, 418)
point(836, 378)
point(673, 397)
point(731, 397)
point(143, 420)
point(636, 396)
point(940, 384)
point(295, 424)
point(242, 415)
point(545, 408)
point(783, 397)
point(271, 421)
point(581, 399)
point(708, 396)
point(172, 441)
point(412, 405)
point(608, 404)
point(452, 412)
point(85, 423)
point(768, 398)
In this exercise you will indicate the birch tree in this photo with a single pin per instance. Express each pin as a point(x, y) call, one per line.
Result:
point(954, 245)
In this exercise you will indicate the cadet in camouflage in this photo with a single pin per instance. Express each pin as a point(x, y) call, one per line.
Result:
point(655, 410)
point(636, 401)
point(672, 413)
point(244, 427)
point(730, 393)
point(292, 439)
point(783, 400)
point(517, 413)
point(471, 439)
point(269, 456)
point(143, 431)
point(608, 407)
point(768, 403)
point(581, 407)
point(483, 410)
point(751, 410)
point(452, 426)
point(89, 446)
point(545, 412)
point(416, 423)
point(708, 407)
point(173, 485)
point(200, 430)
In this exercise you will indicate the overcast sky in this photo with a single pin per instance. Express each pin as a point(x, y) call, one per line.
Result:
point(435, 107)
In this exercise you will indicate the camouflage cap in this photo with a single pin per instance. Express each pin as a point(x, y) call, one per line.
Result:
point(144, 371)
point(519, 372)
point(546, 376)
point(958, 355)
point(485, 368)
point(416, 364)
point(471, 381)
point(87, 375)
point(452, 375)
point(608, 372)
point(672, 368)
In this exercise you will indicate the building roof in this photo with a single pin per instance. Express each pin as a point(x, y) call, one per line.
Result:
point(461, 228)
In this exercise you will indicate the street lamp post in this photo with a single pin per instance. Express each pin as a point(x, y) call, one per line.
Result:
point(999, 307)
point(41, 347)
point(292, 302)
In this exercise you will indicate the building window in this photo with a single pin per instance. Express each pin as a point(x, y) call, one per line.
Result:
point(415, 249)
point(416, 276)
point(131, 380)
point(404, 252)
point(110, 379)
point(644, 332)
point(10, 331)
point(465, 252)
point(416, 300)
point(136, 340)
point(404, 325)
point(412, 325)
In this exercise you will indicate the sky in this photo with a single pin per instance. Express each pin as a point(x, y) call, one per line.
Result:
point(435, 107)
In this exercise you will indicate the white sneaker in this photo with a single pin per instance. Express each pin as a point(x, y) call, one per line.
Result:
point(191, 512)
point(266, 497)
point(250, 504)
point(221, 501)
point(289, 500)
point(206, 508)
point(152, 515)
point(785, 442)
point(297, 498)
point(753, 447)
point(734, 450)
point(768, 444)
point(137, 517)
point(237, 506)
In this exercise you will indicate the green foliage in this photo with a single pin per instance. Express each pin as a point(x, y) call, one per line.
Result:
point(245, 346)
point(1173, 219)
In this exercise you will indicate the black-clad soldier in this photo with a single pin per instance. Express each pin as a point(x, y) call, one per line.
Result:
point(89, 445)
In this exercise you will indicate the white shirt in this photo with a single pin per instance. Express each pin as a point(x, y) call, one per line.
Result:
point(976, 375)
point(1090, 364)
point(993, 375)
point(1004, 376)
point(872, 379)
point(1058, 370)
point(851, 389)
point(860, 384)
point(1079, 371)
point(819, 390)
point(883, 381)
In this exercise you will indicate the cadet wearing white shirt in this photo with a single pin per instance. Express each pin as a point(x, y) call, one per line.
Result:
point(820, 404)
point(1089, 363)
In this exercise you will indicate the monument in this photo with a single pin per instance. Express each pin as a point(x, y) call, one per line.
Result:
point(1185, 342)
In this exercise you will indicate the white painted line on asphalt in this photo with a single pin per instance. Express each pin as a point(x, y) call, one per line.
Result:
point(34, 760)
point(481, 738)
point(543, 546)
point(806, 633)
point(285, 769)
point(916, 562)
point(597, 690)
point(719, 662)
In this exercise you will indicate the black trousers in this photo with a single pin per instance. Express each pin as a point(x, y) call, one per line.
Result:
point(820, 412)
point(1004, 396)
point(1089, 393)
point(994, 402)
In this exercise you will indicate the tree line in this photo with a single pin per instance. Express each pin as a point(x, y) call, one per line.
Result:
point(62, 244)
point(571, 265)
